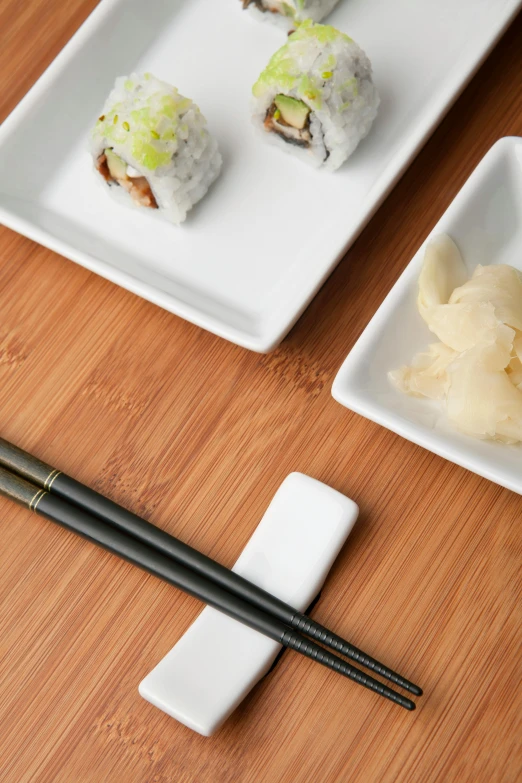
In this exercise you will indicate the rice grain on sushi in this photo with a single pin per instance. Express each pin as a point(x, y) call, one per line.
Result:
point(316, 98)
point(286, 13)
point(153, 144)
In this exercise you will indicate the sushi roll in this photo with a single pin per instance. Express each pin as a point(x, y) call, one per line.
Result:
point(152, 147)
point(316, 98)
point(287, 13)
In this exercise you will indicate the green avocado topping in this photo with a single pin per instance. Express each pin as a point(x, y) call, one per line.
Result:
point(324, 33)
point(146, 122)
point(284, 72)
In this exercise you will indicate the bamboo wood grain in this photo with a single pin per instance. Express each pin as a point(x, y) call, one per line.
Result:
point(197, 435)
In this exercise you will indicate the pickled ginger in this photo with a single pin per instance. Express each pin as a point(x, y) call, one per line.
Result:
point(475, 370)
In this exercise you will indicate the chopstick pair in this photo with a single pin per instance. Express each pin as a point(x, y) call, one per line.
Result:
point(63, 500)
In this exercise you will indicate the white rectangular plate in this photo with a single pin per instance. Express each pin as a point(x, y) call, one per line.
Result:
point(485, 220)
point(255, 251)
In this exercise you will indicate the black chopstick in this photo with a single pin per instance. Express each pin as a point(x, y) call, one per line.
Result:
point(136, 552)
point(58, 483)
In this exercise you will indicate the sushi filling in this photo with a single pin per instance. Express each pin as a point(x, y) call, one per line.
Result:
point(273, 6)
point(289, 118)
point(114, 170)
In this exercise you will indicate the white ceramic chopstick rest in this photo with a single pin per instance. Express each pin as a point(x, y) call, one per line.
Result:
point(218, 660)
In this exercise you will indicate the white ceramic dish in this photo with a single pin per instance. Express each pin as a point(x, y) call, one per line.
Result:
point(485, 220)
point(224, 270)
point(218, 660)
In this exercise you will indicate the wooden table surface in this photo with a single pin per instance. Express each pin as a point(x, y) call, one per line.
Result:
point(196, 435)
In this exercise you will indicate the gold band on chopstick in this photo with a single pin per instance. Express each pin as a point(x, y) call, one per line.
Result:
point(51, 478)
point(36, 499)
